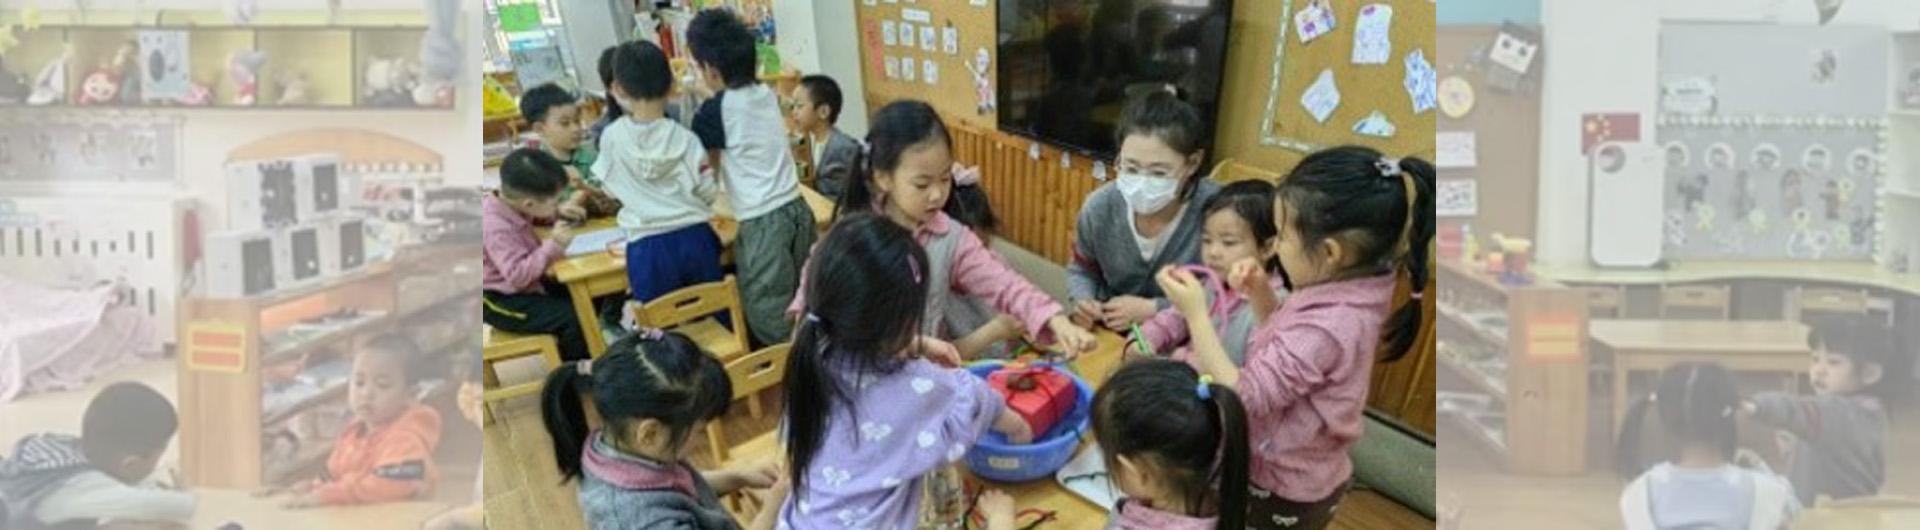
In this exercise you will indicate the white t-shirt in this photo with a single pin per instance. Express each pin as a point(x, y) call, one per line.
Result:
point(1149, 246)
point(756, 156)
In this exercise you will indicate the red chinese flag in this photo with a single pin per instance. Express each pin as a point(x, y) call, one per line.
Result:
point(1596, 129)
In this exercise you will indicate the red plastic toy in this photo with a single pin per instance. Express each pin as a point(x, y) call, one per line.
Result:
point(1041, 395)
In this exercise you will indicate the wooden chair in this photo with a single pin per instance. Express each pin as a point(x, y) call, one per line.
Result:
point(500, 346)
point(1687, 301)
point(1607, 302)
point(750, 374)
point(690, 311)
point(1803, 301)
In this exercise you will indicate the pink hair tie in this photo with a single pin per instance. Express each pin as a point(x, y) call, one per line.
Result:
point(965, 175)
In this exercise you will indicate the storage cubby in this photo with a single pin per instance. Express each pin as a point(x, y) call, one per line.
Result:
point(1516, 368)
point(373, 45)
point(212, 51)
point(323, 56)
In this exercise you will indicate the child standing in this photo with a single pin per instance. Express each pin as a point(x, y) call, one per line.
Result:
point(555, 115)
point(604, 67)
point(57, 481)
point(1176, 445)
point(514, 262)
point(652, 165)
point(1837, 436)
point(1237, 247)
point(1350, 220)
point(866, 417)
point(652, 390)
point(747, 140)
point(907, 179)
point(816, 108)
point(386, 453)
point(979, 330)
point(1142, 221)
point(1697, 485)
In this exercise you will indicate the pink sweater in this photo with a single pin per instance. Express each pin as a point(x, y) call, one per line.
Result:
point(514, 259)
point(1305, 385)
point(978, 273)
point(1167, 329)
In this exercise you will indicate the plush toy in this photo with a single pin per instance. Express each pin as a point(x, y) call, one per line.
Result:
point(126, 69)
point(244, 69)
point(390, 83)
point(294, 89)
point(102, 87)
point(50, 86)
point(199, 96)
point(433, 94)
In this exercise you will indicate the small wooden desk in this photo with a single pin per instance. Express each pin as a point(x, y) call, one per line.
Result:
point(602, 273)
point(1073, 512)
point(218, 507)
point(1739, 345)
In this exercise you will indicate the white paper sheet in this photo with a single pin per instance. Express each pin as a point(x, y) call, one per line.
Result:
point(1313, 20)
point(1455, 149)
point(1322, 97)
point(596, 241)
point(1372, 35)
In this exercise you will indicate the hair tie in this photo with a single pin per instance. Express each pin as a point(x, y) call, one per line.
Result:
point(584, 367)
point(915, 267)
point(966, 176)
point(1419, 295)
point(652, 333)
point(1205, 388)
point(814, 318)
point(1389, 168)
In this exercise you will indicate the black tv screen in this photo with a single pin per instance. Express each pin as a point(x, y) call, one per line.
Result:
point(1067, 67)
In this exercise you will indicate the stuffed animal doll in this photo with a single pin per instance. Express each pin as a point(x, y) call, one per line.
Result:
point(294, 89)
point(244, 70)
point(102, 87)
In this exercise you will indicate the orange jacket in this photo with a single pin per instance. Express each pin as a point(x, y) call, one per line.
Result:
point(392, 463)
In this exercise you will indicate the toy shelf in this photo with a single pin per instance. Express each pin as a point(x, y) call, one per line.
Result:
point(1516, 368)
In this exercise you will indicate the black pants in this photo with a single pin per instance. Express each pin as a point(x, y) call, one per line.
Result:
point(547, 314)
point(1266, 511)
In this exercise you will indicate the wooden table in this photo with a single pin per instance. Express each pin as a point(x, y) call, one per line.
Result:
point(218, 507)
point(1073, 512)
point(602, 273)
point(1739, 345)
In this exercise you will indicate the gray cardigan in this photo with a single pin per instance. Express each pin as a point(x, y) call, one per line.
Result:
point(1840, 453)
point(835, 166)
point(1106, 260)
point(608, 506)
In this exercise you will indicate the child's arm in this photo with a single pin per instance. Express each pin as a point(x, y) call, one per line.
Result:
point(1249, 278)
point(94, 496)
point(523, 265)
point(1798, 415)
point(399, 473)
point(1162, 332)
point(712, 131)
point(769, 516)
point(1189, 297)
point(1001, 328)
point(978, 272)
point(726, 481)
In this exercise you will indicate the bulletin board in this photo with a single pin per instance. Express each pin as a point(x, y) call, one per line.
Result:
point(960, 77)
point(1780, 192)
point(1504, 126)
point(1363, 88)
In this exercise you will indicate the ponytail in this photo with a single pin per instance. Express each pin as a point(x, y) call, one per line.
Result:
point(809, 392)
point(1417, 241)
point(565, 416)
point(1630, 452)
point(1234, 467)
point(1192, 430)
point(1696, 404)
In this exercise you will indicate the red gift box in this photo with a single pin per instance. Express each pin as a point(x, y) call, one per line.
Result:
point(1041, 395)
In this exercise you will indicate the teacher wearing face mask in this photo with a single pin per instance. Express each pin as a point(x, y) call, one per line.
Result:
point(1148, 218)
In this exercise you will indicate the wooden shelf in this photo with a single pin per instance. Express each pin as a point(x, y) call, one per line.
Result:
point(331, 393)
point(1478, 433)
point(374, 324)
point(1478, 330)
point(1486, 383)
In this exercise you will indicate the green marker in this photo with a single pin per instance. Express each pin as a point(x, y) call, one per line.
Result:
point(1140, 339)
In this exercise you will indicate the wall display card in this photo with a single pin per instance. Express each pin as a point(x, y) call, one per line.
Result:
point(906, 34)
point(916, 15)
point(1421, 81)
point(1456, 149)
point(163, 66)
point(929, 71)
point(929, 38)
point(907, 71)
point(950, 40)
point(1691, 95)
point(893, 67)
point(1322, 97)
point(1457, 198)
point(538, 65)
point(887, 29)
point(1372, 35)
point(1313, 20)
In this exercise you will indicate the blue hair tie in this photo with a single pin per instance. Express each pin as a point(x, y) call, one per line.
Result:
point(1205, 388)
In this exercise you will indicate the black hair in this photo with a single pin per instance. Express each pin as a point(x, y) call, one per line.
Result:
point(1865, 343)
point(896, 128)
point(606, 80)
point(718, 38)
point(403, 351)
point(1163, 115)
point(127, 419)
point(640, 69)
point(669, 379)
point(536, 103)
point(824, 91)
point(532, 173)
point(865, 302)
point(1697, 404)
point(1252, 201)
point(1346, 193)
point(1153, 410)
point(970, 206)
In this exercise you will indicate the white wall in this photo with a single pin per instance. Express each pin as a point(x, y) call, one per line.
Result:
point(1893, 14)
point(819, 36)
point(1602, 57)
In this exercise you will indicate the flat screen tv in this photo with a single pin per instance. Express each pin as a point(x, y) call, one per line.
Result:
point(1067, 67)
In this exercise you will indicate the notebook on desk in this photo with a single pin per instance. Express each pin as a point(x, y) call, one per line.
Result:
point(596, 241)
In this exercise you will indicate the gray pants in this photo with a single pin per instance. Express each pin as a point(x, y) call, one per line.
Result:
point(769, 253)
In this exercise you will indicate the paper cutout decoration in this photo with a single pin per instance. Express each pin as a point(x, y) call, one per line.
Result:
point(1375, 125)
point(1678, 156)
point(1695, 96)
point(1862, 163)
point(50, 85)
point(887, 27)
point(1033, 151)
point(1457, 198)
point(1372, 39)
point(928, 38)
point(929, 71)
point(1456, 97)
point(1456, 149)
point(163, 66)
point(1420, 81)
point(950, 39)
point(1826, 66)
point(979, 3)
point(983, 95)
point(1322, 97)
point(1100, 170)
point(1313, 20)
point(1817, 158)
point(1720, 156)
point(1599, 128)
point(1066, 160)
point(1514, 49)
point(1766, 156)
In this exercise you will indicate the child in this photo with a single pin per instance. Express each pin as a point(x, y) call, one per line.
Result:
point(1237, 246)
point(652, 165)
point(1176, 445)
point(747, 139)
point(386, 453)
point(556, 118)
point(1837, 435)
point(906, 179)
point(514, 263)
point(980, 329)
point(1350, 220)
point(1141, 221)
point(652, 391)
point(613, 110)
point(1697, 485)
point(866, 417)
point(816, 107)
point(59, 481)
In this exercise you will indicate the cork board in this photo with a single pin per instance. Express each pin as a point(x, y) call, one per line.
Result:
point(953, 92)
point(1363, 88)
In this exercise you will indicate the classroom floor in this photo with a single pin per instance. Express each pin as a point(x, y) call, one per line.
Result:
point(1490, 499)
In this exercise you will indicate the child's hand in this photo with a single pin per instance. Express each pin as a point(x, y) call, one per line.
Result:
point(1073, 339)
point(470, 394)
point(997, 507)
point(1248, 276)
point(1086, 313)
point(1014, 426)
point(939, 351)
point(1183, 290)
point(562, 233)
point(1123, 311)
point(759, 477)
point(573, 212)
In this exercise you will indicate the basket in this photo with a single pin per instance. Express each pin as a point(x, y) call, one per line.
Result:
point(994, 459)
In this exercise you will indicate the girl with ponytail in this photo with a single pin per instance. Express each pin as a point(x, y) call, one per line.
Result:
point(1687, 475)
point(652, 391)
point(1176, 446)
point(1351, 221)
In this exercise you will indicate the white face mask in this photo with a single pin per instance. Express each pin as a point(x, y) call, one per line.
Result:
point(1147, 194)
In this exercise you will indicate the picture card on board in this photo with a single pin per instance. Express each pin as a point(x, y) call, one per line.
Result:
point(1456, 149)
